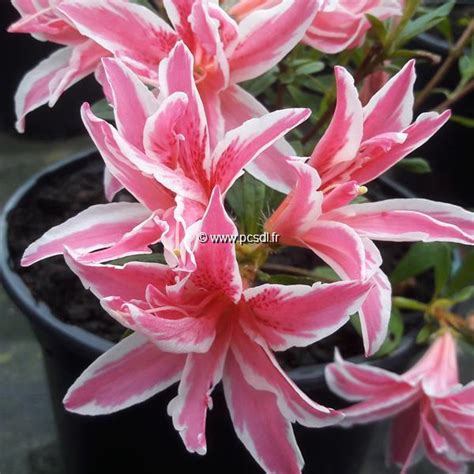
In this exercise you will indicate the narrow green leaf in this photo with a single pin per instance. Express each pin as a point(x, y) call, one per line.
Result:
point(325, 274)
point(415, 165)
point(424, 334)
point(152, 257)
point(378, 27)
point(283, 279)
point(309, 68)
point(261, 84)
point(426, 21)
point(463, 295)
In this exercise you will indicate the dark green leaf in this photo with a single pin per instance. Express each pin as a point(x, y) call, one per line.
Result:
point(251, 200)
point(422, 257)
point(261, 84)
point(378, 27)
point(282, 279)
point(464, 275)
point(144, 3)
point(152, 257)
point(415, 165)
point(466, 66)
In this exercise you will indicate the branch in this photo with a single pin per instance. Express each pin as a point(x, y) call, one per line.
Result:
point(453, 55)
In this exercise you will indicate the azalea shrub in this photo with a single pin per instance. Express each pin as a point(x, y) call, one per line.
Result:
point(245, 131)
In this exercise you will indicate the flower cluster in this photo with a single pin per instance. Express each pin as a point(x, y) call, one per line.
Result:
point(184, 132)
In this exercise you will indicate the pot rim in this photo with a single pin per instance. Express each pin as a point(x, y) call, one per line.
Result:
point(84, 342)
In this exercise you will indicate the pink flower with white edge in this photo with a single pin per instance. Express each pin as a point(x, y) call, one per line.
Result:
point(160, 153)
point(340, 24)
point(51, 77)
point(361, 143)
point(434, 413)
point(203, 327)
point(341, 234)
point(225, 54)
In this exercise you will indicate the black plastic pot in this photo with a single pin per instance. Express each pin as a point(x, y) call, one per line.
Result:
point(141, 439)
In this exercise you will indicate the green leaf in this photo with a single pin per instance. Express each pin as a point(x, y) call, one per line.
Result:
point(426, 21)
point(424, 334)
point(422, 257)
point(261, 84)
point(415, 165)
point(465, 121)
point(378, 27)
point(103, 110)
point(464, 275)
point(152, 257)
point(466, 346)
point(309, 68)
point(144, 3)
point(282, 279)
point(324, 273)
point(463, 295)
point(407, 303)
point(251, 200)
point(394, 334)
point(466, 66)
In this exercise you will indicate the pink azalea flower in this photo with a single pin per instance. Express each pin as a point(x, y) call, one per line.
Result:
point(340, 24)
point(343, 24)
point(224, 54)
point(62, 69)
point(434, 414)
point(159, 152)
point(203, 327)
point(359, 145)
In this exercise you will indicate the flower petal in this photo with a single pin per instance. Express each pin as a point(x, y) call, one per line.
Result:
point(133, 103)
point(356, 382)
point(406, 438)
point(299, 315)
point(259, 423)
point(391, 108)
point(216, 264)
point(243, 144)
point(128, 282)
point(202, 372)
point(387, 403)
point(258, 51)
point(271, 166)
point(134, 33)
point(33, 91)
point(176, 74)
point(262, 372)
point(129, 373)
point(376, 158)
point(342, 139)
point(407, 220)
point(95, 228)
point(117, 157)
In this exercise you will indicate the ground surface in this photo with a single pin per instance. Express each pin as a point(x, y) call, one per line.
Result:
point(28, 443)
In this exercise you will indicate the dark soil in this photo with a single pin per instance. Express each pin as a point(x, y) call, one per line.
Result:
point(61, 195)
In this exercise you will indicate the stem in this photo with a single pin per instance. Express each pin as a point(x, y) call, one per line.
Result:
point(407, 303)
point(455, 96)
point(453, 55)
